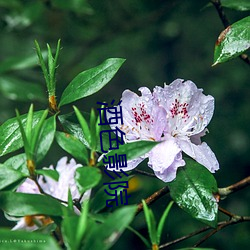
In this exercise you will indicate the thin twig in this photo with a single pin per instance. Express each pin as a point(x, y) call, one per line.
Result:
point(42, 192)
point(223, 192)
point(224, 211)
point(204, 229)
point(152, 198)
point(235, 220)
point(226, 23)
point(145, 173)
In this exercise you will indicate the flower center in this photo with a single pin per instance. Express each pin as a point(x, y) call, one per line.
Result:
point(180, 110)
point(141, 115)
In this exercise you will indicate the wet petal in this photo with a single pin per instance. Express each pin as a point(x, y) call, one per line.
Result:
point(189, 110)
point(59, 189)
point(201, 153)
point(165, 158)
point(130, 164)
point(143, 119)
point(29, 187)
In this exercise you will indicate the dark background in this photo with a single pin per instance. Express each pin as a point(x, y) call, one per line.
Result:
point(161, 41)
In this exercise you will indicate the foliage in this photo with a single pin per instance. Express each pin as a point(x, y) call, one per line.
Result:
point(27, 141)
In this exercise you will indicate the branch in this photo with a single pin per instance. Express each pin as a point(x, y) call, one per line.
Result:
point(145, 173)
point(223, 192)
point(235, 220)
point(151, 199)
point(204, 229)
point(226, 23)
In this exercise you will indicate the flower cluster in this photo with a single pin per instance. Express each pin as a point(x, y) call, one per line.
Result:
point(177, 115)
point(58, 189)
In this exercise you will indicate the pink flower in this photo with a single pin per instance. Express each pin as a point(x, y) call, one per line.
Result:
point(177, 115)
point(58, 189)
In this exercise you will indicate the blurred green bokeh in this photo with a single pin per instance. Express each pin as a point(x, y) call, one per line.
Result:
point(161, 41)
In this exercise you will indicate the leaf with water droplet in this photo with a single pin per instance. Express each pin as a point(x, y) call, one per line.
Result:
point(233, 41)
point(193, 190)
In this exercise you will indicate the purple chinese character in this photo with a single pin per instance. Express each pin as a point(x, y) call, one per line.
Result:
point(116, 114)
point(118, 138)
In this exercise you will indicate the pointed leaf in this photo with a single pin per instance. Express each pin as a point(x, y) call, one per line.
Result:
point(162, 221)
point(53, 174)
point(193, 191)
point(149, 216)
point(20, 204)
point(84, 125)
point(46, 137)
point(20, 62)
point(233, 41)
point(105, 235)
point(18, 162)
point(133, 149)
point(99, 200)
point(19, 90)
point(10, 136)
point(9, 175)
point(16, 240)
point(90, 81)
point(87, 177)
point(73, 146)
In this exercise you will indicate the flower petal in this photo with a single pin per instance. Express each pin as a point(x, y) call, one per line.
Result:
point(201, 153)
point(165, 158)
point(29, 187)
point(189, 110)
point(130, 164)
point(143, 119)
point(65, 182)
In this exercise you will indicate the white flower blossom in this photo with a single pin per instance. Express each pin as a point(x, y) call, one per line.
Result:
point(58, 189)
point(177, 115)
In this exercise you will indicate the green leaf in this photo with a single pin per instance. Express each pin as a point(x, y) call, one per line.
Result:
point(105, 235)
point(16, 240)
point(84, 125)
point(150, 219)
point(20, 204)
point(18, 162)
point(73, 146)
point(132, 150)
point(193, 191)
point(10, 136)
point(87, 177)
point(241, 5)
point(93, 129)
point(143, 239)
point(162, 221)
point(19, 63)
point(8, 176)
point(233, 41)
point(37, 131)
point(53, 174)
point(82, 223)
point(90, 81)
point(46, 138)
point(99, 200)
point(19, 90)
point(74, 228)
point(72, 126)
point(78, 6)
point(69, 230)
